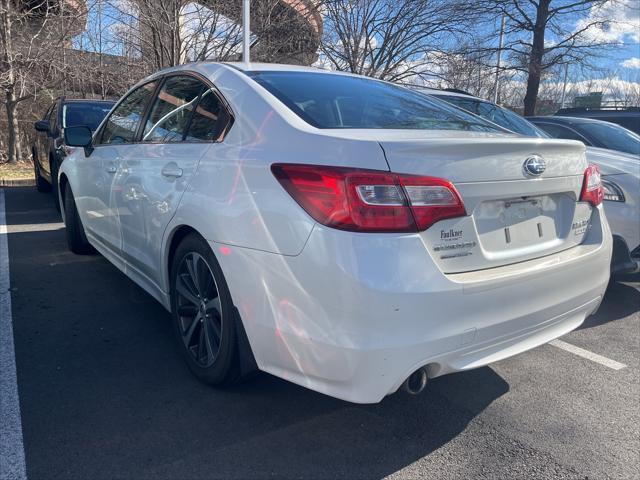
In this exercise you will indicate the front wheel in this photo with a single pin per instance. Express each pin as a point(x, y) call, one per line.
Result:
point(202, 312)
point(76, 238)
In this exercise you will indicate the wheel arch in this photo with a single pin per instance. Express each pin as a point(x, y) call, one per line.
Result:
point(62, 187)
point(177, 234)
point(248, 364)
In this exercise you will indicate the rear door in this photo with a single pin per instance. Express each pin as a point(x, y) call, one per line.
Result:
point(184, 122)
point(513, 213)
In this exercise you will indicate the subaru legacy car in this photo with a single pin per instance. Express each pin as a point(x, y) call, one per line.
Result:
point(620, 176)
point(48, 149)
point(340, 232)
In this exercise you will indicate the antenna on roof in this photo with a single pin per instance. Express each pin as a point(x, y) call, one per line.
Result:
point(246, 32)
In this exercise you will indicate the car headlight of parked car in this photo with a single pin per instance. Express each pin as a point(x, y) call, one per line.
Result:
point(612, 192)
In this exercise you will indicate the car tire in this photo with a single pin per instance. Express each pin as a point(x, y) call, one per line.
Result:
point(41, 184)
point(76, 238)
point(54, 182)
point(203, 313)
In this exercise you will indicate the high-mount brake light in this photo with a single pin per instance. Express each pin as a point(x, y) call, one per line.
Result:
point(592, 190)
point(361, 200)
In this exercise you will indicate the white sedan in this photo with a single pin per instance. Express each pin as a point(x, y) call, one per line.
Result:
point(340, 232)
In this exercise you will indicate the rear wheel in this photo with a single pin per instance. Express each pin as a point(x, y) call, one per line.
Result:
point(76, 238)
point(203, 313)
point(41, 184)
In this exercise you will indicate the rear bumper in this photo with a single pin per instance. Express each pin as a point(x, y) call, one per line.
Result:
point(354, 314)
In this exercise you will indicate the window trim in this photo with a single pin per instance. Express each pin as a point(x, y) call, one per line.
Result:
point(161, 79)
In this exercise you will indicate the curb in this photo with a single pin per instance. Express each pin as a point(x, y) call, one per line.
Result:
point(17, 182)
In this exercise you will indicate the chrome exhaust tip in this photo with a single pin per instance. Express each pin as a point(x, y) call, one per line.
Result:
point(416, 382)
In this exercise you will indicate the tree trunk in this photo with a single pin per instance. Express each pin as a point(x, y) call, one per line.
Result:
point(15, 144)
point(14, 147)
point(535, 58)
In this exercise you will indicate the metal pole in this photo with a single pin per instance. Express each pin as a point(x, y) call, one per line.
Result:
point(246, 31)
point(564, 85)
point(501, 43)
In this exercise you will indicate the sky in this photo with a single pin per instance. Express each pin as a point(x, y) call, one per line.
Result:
point(623, 28)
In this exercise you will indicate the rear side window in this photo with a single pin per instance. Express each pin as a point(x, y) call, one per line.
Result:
point(498, 115)
point(122, 124)
point(209, 119)
point(340, 101)
point(172, 110)
point(557, 131)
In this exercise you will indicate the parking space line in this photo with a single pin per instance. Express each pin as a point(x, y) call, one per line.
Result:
point(12, 463)
point(594, 357)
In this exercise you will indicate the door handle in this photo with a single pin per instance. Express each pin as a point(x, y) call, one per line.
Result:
point(171, 170)
point(112, 168)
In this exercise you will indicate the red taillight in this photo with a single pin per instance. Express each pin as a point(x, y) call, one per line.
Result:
point(368, 200)
point(592, 190)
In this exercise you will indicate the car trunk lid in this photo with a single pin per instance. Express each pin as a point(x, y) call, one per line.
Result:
point(512, 214)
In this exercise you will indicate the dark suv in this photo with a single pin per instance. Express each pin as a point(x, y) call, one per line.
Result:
point(627, 117)
point(48, 149)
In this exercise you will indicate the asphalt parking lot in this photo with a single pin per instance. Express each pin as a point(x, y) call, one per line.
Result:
point(104, 393)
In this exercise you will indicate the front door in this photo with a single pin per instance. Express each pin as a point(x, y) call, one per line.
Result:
point(97, 172)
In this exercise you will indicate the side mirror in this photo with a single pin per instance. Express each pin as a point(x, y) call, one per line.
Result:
point(41, 125)
point(79, 136)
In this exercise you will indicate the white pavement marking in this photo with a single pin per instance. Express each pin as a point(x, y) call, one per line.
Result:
point(12, 465)
point(594, 357)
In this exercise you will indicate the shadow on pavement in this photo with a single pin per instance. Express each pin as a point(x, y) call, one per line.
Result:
point(620, 301)
point(105, 394)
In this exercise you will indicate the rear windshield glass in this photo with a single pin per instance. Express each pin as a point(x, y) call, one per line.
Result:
point(339, 101)
point(89, 114)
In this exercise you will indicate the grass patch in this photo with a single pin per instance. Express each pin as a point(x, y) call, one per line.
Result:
point(16, 171)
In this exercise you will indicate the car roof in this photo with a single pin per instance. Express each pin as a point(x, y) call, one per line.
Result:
point(274, 67)
point(565, 120)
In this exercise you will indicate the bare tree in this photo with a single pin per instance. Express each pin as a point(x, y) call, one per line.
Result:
point(542, 34)
point(31, 38)
point(390, 39)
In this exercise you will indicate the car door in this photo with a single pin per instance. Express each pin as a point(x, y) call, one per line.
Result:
point(41, 140)
point(97, 172)
point(48, 140)
point(183, 123)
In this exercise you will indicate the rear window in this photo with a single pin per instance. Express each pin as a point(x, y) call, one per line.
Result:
point(339, 101)
point(89, 114)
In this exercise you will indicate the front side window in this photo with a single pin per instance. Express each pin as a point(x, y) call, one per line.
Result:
point(122, 124)
point(172, 109)
point(340, 101)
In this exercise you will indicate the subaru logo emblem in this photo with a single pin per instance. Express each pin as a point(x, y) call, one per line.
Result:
point(534, 165)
